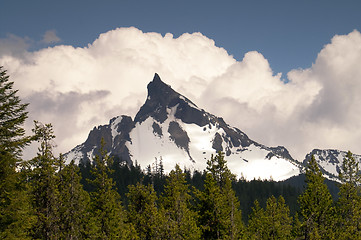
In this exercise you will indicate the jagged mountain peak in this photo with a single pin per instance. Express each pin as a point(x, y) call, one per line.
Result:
point(171, 127)
point(160, 92)
point(161, 98)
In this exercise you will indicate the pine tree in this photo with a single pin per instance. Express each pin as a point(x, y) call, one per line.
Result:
point(44, 184)
point(257, 225)
point(74, 203)
point(217, 167)
point(161, 168)
point(349, 201)
point(296, 227)
point(278, 214)
point(12, 117)
point(316, 205)
point(181, 220)
point(220, 216)
point(272, 223)
point(143, 215)
point(149, 178)
point(15, 210)
point(107, 221)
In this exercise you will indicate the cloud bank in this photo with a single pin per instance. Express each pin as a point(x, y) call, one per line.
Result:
point(78, 88)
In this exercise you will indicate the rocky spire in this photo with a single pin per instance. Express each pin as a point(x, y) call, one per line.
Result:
point(160, 97)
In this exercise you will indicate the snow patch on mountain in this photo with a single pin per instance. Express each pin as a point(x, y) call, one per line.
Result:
point(145, 146)
point(249, 162)
point(330, 161)
point(114, 126)
point(252, 163)
point(74, 155)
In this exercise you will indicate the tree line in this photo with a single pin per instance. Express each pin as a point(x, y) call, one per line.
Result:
point(44, 198)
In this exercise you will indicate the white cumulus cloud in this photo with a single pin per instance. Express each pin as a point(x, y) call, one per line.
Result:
point(78, 88)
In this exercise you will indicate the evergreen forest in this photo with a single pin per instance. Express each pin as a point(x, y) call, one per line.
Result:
point(44, 198)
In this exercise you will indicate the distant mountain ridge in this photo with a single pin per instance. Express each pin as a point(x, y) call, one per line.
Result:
point(330, 160)
point(171, 128)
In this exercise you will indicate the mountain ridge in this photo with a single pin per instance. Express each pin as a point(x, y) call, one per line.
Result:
point(171, 127)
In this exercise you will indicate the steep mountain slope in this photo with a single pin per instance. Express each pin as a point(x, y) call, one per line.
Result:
point(172, 129)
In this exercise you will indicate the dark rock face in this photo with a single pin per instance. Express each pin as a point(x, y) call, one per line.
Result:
point(157, 129)
point(190, 115)
point(160, 97)
point(94, 139)
point(281, 151)
point(237, 137)
point(119, 148)
point(113, 144)
point(217, 142)
point(123, 128)
point(179, 136)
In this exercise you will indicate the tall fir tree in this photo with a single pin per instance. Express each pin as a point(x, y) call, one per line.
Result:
point(349, 201)
point(272, 223)
point(44, 185)
point(181, 220)
point(143, 214)
point(74, 203)
point(316, 205)
point(16, 217)
point(257, 225)
point(107, 221)
point(278, 215)
point(220, 217)
point(12, 117)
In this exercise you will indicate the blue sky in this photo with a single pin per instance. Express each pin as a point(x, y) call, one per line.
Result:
point(80, 63)
point(288, 33)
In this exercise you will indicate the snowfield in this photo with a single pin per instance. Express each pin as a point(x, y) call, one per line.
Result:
point(249, 163)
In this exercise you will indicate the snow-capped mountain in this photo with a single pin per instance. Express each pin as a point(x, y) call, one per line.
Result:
point(172, 128)
point(329, 161)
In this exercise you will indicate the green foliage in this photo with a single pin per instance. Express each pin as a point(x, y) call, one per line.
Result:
point(349, 202)
point(74, 203)
point(256, 222)
point(107, 219)
point(261, 190)
point(14, 202)
point(272, 223)
point(350, 171)
point(246, 192)
point(220, 217)
point(155, 176)
point(278, 216)
point(217, 167)
point(143, 215)
point(17, 217)
point(12, 117)
point(181, 220)
point(44, 185)
point(316, 205)
point(125, 175)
